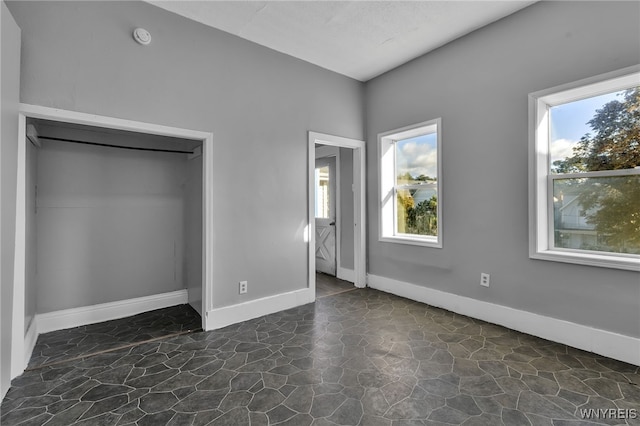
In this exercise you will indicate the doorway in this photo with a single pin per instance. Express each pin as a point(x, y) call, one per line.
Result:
point(332, 193)
point(326, 183)
point(197, 168)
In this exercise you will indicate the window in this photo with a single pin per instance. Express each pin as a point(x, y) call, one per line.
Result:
point(585, 172)
point(322, 192)
point(410, 170)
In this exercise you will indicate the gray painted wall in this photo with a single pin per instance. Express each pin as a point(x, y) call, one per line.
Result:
point(9, 89)
point(258, 103)
point(479, 86)
point(109, 223)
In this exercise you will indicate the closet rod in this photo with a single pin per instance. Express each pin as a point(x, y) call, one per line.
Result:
point(113, 146)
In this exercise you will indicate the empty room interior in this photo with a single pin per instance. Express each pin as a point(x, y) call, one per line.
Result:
point(320, 213)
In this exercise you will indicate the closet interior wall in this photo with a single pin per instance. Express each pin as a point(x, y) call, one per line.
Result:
point(109, 224)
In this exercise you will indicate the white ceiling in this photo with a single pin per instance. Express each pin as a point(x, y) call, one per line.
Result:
point(359, 39)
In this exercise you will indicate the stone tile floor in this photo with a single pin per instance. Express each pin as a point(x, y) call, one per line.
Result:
point(327, 285)
point(72, 343)
point(359, 357)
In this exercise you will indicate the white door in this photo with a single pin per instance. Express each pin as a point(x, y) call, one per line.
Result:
point(325, 184)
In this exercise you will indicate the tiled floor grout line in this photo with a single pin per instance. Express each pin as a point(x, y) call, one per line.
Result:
point(130, 345)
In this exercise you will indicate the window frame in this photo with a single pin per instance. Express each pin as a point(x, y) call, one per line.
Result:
point(387, 204)
point(541, 229)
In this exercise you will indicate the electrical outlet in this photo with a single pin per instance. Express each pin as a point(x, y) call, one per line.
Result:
point(485, 279)
point(243, 287)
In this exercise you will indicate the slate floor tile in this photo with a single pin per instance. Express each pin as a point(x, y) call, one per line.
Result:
point(354, 357)
point(62, 345)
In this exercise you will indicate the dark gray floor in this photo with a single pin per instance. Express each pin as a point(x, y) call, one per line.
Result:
point(358, 357)
point(327, 285)
point(62, 345)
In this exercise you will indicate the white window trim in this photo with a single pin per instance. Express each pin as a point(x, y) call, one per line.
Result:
point(386, 172)
point(541, 180)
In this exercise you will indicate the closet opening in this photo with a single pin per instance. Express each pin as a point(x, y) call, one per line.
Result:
point(114, 238)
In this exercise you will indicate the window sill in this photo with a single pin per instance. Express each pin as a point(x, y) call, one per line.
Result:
point(415, 241)
point(589, 259)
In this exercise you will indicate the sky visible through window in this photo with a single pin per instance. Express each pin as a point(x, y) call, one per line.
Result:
point(418, 156)
point(569, 123)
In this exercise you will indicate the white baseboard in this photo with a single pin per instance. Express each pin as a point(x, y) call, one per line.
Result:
point(602, 342)
point(346, 274)
point(227, 315)
point(68, 318)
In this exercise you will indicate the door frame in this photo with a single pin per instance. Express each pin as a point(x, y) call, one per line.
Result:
point(359, 205)
point(20, 345)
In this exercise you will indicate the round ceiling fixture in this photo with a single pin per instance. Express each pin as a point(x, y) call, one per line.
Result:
point(142, 36)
